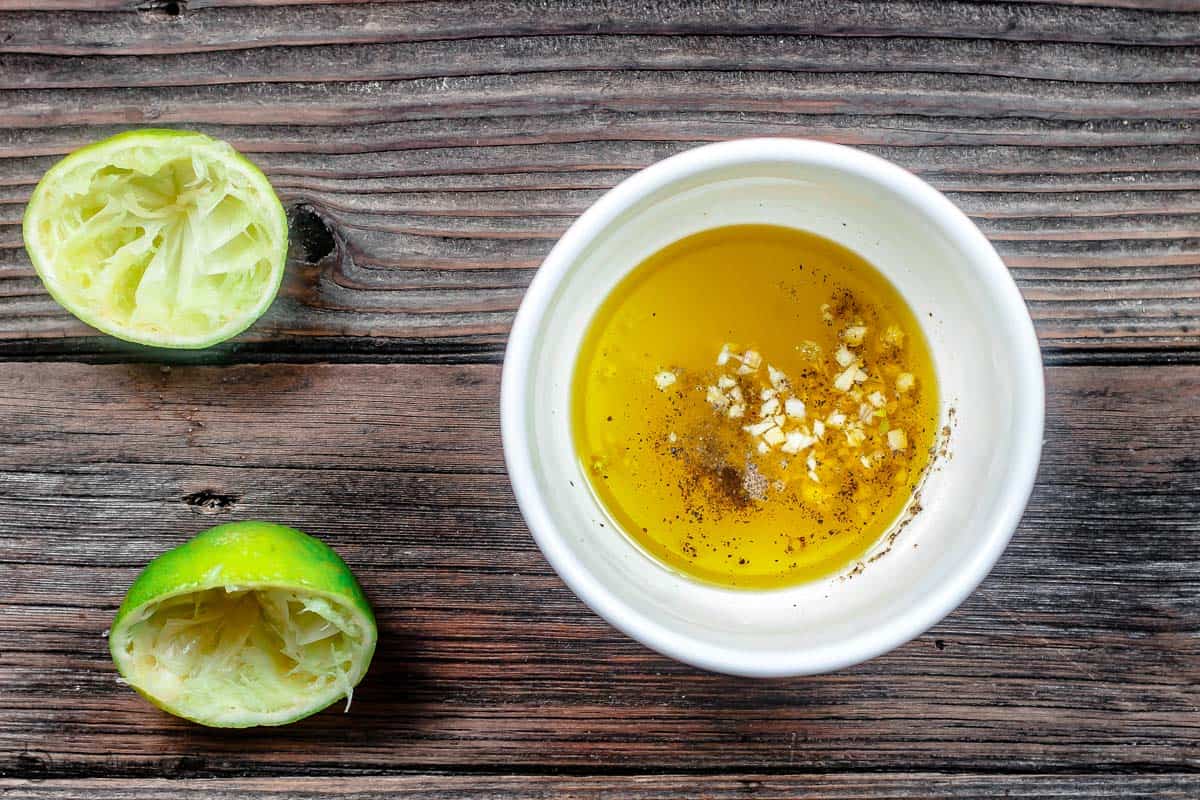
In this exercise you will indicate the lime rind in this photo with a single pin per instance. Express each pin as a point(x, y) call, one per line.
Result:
point(165, 238)
point(247, 624)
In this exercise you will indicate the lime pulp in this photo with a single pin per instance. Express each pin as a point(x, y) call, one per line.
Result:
point(166, 238)
point(249, 623)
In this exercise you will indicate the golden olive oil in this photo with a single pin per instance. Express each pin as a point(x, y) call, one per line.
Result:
point(755, 406)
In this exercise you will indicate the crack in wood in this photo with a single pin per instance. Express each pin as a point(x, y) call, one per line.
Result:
point(311, 234)
point(210, 500)
point(169, 8)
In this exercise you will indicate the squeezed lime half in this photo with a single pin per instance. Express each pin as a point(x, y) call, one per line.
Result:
point(161, 237)
point(249, 623)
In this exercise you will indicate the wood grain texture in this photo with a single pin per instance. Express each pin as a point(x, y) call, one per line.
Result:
point(932, 786)
point(148, 27)
point(429, 154)
point(1080, 652)
point(445, 146)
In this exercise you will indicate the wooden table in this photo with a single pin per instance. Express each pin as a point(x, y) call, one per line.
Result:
point(429, 155)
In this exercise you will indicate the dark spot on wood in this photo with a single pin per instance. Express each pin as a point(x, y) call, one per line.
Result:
point(210, 500)
point(186, 766)
point(166, 8)
point(311, 235)
point(29, 764)
point(939, 644)
point(1187, 464)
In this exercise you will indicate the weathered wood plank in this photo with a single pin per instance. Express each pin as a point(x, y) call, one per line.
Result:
point(1093, 63)
point(338, 103)
point(176, 7)
point(442, 241)
point(1080, 652)
point(438, 786)
point(201, 28)
point(636, 129)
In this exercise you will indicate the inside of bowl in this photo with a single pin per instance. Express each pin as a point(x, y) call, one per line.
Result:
point(841, 619)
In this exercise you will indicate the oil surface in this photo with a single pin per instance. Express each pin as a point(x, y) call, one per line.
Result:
point(790, 458)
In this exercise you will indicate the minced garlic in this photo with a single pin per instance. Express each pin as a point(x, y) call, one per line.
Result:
point(845, 380)
point(854, 335)
point(782, 415)
point(893, 337)
point(746, 465)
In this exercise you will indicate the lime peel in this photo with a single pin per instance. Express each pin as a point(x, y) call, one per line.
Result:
point(247, 624)
point(161, 237)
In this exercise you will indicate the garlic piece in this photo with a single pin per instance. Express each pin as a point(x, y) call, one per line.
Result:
point(794, 407)
point(854, 335)
point(759, 428)
point(664, 379)
point(893, 337)
point(897, 439)
point(905, 382)
point(774, 437)
point(795, 441)
point(843, 356)
point(877, 399)
point(809, 350)
point(855, 436)
point(845, 379)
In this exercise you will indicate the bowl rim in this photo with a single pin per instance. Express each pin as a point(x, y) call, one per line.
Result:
point(982, 262)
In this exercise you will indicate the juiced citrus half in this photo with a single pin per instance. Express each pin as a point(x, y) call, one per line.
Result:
point(166, 238)
point(247, 624)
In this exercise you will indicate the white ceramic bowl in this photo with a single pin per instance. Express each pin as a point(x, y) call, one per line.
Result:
point(988, 365)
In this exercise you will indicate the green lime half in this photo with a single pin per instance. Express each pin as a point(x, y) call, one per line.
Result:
point(166, 238)
point(247, 624)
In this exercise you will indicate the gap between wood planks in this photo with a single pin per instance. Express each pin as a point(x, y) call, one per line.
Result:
point(367, 779)
point(448, 351)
